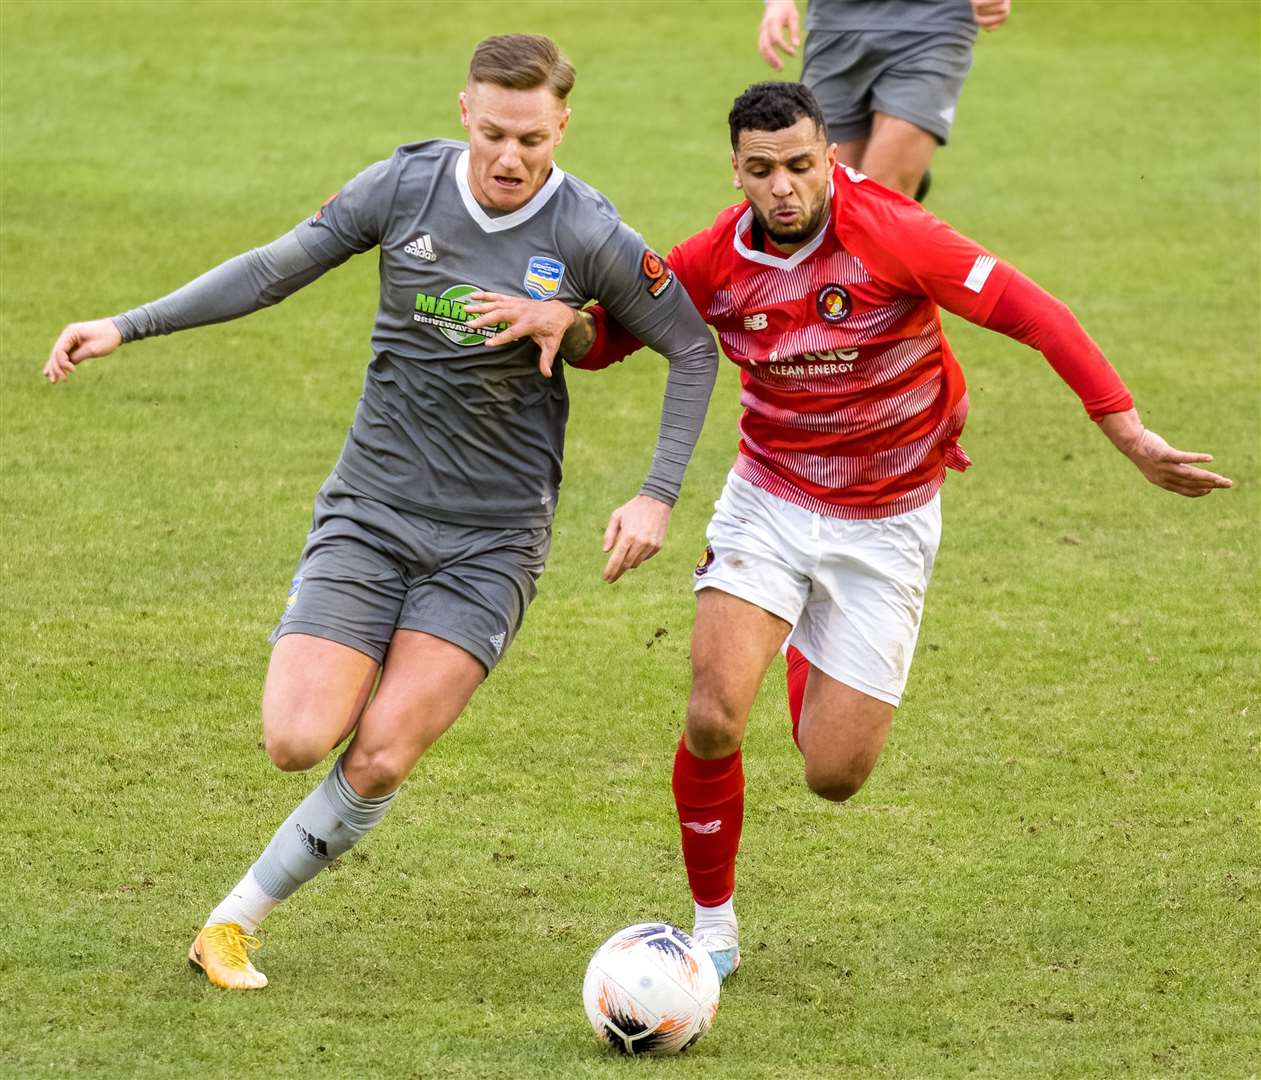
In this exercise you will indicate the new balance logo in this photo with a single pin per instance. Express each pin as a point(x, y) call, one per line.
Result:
point(755, 322)
point(422, 248)
point(980, 272)
point(497, 640)
point(314, 844)
point(705, 828)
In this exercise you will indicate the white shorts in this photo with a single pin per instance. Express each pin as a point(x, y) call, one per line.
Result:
point(852, 590)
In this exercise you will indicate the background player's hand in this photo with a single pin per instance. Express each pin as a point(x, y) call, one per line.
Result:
point(990, 14)
point(1161, 463)
point(780, 16)
point(543, 320)
point(635, 534)
point(78, 342)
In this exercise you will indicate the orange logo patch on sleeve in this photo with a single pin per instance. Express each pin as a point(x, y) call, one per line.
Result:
point(657, 273)
point(320, 212)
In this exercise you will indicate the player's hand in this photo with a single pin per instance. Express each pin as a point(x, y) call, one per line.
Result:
point(990, 14)
point(780, 16)
point(78, 342)
point(1166, 467)
point(635, 534)
point(543, 320)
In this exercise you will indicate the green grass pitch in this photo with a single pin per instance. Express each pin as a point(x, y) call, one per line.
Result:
point(1055, 870)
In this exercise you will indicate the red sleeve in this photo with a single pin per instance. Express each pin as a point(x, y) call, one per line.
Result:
point(906, 246)
point(1031, 315)
point(613, 343)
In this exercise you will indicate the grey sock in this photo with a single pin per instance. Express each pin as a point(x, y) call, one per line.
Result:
point(326, 824)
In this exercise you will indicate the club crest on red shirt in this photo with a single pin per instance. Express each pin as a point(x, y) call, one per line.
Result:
point(833, 303)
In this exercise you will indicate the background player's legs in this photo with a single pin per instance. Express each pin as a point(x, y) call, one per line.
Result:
point(850, 152)
point(315, 691)
point(841, 735)
point(897, 153)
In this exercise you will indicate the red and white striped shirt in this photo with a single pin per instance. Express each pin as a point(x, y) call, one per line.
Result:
point(853, 401)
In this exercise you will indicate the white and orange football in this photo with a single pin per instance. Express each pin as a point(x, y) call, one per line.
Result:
point(650, 989)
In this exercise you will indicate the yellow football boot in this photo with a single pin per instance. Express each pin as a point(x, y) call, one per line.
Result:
point(222, 951)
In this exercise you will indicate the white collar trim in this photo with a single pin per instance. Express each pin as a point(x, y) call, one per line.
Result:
point(508, 221)
point(796, 258)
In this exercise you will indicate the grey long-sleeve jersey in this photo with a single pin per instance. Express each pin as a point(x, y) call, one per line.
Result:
point(447, 426)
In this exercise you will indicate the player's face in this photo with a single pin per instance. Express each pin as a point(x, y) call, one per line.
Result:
point(784, 174)
point(512, 135)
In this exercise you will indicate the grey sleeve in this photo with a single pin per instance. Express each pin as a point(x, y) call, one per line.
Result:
point(642, 294)
point(351, 221)
point(255, 280)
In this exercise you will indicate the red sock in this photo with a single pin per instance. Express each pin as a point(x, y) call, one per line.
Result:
point(798, 670)
point(710, 800)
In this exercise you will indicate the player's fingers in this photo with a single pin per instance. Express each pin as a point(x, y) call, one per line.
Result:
point(619, 562)
point(547, 353)
point(768, 53)
point(489, 315)
point(1187, 481)
point(781, 42)
point(611, 531)
point(59, 367)
point(66, 341)
point(505, 337)
point(1189, 474)
point(1182, 456)
point(490, 297)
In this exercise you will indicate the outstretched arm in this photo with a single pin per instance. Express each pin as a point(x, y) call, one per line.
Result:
point(1029, 314)
point(237, 287)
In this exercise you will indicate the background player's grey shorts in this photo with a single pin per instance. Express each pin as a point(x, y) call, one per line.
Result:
point(368, 569)
point(912, 75)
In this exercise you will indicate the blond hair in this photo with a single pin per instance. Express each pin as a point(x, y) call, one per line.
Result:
point(522, 62)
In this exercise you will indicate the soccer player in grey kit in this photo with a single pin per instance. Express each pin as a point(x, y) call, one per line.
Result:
point(430, 533)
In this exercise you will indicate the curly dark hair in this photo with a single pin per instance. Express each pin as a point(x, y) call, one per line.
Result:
point(771, 106)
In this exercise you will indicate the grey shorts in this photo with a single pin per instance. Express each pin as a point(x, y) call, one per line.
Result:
point(369, 569)
point(913, 75)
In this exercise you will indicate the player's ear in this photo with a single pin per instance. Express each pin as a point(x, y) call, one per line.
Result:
point(564, 121)
point(735, 170)
point(464, 109)
point(831, 155)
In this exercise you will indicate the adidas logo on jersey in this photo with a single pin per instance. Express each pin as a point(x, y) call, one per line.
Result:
point(422, 248)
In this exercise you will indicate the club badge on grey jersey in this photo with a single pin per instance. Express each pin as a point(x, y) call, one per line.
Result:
point(543, 277)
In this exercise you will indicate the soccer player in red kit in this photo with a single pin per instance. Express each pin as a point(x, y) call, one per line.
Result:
point(825, 288)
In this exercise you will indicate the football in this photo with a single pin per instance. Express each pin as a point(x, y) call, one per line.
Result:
point(650, 989)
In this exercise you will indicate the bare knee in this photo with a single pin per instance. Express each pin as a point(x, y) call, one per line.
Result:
point(293, 750)
point(298, 738)
point(836, 784)
point(714, 724)
point(373, 773)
